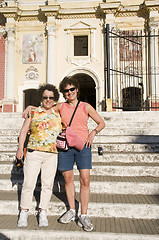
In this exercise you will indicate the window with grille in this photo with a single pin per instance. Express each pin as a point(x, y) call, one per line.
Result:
point(80, 45)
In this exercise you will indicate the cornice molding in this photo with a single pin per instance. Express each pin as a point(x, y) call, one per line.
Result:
point(50, 11)
point(9, 12)
point(132, 11)
point(114, 8)
point(120, 11)
point(77, 13)
point(109, 8)
point(152, 5)
point(153, 8)
point(29, 18)
point(126, 14)
point(75, 16)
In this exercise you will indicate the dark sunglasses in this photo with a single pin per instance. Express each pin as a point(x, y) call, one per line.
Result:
point(70, 89)
point(51, 98)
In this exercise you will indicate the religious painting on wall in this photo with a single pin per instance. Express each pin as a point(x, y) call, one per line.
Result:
point(32, 48)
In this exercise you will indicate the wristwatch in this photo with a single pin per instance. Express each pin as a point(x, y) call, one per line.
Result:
point(96, 130)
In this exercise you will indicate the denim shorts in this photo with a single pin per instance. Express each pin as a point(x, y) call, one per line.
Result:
point(66, 159)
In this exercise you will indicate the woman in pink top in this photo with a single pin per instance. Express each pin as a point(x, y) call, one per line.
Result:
point(70, 89)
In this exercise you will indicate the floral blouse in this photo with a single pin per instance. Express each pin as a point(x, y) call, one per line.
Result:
point(44, 130)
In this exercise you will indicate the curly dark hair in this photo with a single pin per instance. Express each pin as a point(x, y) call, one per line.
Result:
point(71, 81)
point(48, 87)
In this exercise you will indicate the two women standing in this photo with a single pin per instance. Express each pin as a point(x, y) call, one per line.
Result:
point(69, 87)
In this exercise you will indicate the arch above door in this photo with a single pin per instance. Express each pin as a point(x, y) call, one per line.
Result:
point(91, 87)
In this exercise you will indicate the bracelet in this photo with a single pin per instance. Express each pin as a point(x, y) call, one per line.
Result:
point(96, 130)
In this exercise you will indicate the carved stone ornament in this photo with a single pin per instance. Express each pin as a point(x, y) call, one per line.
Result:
point(10, 33)
point(31, 74)
point(80, 62)
point(50, 30)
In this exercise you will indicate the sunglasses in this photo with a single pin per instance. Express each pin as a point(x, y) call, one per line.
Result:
point(70, 89)
point(45, 98)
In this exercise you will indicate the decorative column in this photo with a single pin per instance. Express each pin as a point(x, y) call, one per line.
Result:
point(92, 43)
point(154, 68)
point(51, 55)
point(68, 45)
point(10, 64)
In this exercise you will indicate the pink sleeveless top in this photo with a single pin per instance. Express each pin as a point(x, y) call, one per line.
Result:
point(80, 120)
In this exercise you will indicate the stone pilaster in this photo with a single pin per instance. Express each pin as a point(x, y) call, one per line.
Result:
point(8, 104)
point(154, 61)
point(10, 63)
point(51, 62)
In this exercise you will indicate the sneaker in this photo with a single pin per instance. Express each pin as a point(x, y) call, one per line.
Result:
point(23, 219)
point(85, 223)
point(43, 222)
point(68, 217)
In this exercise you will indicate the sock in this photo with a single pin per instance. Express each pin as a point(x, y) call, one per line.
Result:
point(83, 215)
point(73, 210)
point(25, 210)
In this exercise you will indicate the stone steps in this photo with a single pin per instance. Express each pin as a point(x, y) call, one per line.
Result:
point(118, 115)
point(124, 198)
point(143, 139)
point(107, 147)
point(106, 229)
point(118, 206)
point(136, 157)
point(94, 198)
point(110, 169)
point(136, 211)
point(99, 184)
point(17, 123)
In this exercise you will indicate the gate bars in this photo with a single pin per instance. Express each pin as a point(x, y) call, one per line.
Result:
point(131, 69)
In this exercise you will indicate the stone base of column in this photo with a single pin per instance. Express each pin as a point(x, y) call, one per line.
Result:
point(152, 103)
point(155, 106)
point(114, 107)
point(109, 104)
point(8, 105)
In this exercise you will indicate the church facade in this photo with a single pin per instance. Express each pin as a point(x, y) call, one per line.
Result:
point(111, 47)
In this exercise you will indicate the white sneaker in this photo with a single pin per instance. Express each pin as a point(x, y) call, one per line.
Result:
point(43, 222)
point(85, 223)
point(23, 219)
point(68, 217)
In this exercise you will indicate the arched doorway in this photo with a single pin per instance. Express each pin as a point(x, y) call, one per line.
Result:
point(30, 98)
point(87, 88)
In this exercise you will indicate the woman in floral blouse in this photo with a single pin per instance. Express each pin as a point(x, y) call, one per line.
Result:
point(44, 124)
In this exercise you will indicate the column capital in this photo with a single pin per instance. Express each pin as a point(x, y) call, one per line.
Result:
point(50, 30)
point(10, 33)
point(153, 25)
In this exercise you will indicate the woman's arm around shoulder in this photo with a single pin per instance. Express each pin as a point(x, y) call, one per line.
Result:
point(27, 112)
point(57, 107)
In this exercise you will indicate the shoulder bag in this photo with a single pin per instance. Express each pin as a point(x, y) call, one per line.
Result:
point(68, 138)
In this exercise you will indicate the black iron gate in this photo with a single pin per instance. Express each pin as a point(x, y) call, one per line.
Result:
point(130, 77)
